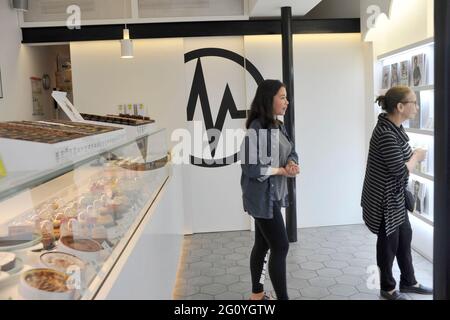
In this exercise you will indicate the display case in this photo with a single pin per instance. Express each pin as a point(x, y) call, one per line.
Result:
point(63, 229)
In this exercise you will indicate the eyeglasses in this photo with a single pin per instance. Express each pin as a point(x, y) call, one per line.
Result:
point(405, 102)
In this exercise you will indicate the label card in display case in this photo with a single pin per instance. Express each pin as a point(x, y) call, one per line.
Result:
point(65, 104)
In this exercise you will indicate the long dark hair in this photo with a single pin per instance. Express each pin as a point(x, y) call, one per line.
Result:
point(392, 98)
point(262, 105)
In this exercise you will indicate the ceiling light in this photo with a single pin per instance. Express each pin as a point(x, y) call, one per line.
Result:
point(126, 45)
point(20, 5)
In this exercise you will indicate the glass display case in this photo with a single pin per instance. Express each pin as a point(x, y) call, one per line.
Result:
point(63, 229)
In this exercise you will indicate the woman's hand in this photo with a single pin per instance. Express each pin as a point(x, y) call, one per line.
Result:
point(420, 154)
point(292, 169)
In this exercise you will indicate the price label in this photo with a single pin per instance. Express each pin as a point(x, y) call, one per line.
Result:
point(106, 246)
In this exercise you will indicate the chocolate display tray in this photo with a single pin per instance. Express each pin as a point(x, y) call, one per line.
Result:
point(35, 134)
point(116, 119)
point(48, 132)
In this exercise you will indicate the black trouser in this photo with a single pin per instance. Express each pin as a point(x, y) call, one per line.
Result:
point(397, 244)
point(270, 234)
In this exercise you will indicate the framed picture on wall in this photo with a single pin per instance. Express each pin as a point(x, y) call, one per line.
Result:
point(394, 75)
point(386, 77)
point(1, 88)
point(404, 73)
point(418, 71)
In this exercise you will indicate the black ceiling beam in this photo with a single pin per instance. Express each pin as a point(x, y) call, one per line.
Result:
point(186, 29)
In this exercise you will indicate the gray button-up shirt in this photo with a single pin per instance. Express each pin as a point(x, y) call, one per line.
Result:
point(259, 188)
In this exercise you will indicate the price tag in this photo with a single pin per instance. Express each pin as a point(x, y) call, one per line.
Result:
point(106, 247)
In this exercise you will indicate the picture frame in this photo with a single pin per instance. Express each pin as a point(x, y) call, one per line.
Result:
point(418, 70)
point(386, 77)
point(1, 87)
point(394, 75)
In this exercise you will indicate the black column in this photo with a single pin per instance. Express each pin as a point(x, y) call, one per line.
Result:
point(289, 118)
point(442, 151)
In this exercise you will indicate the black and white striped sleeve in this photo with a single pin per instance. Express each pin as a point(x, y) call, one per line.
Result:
point(392, 154)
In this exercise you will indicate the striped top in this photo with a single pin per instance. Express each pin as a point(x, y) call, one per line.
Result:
point(383, 196)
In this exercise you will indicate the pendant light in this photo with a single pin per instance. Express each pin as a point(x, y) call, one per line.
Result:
point(126, 45)
point(20, 5)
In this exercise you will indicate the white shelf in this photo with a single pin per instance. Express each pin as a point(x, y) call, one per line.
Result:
point(420, 131)
point(423, 88)
point(412, 46)
point(423, 175)
point(424, 217)
point(416, 89)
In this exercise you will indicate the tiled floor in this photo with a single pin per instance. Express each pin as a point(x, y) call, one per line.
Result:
point(325, 263)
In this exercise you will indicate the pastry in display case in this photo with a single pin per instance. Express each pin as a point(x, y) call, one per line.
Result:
point(60, 236)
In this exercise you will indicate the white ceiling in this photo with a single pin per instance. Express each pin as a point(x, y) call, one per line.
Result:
point(272, 8)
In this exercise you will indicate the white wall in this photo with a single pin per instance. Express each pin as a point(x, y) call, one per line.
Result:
point(102, 80)
point(330, 128)
point(215, 193)
point(409, 22)
point(330, 121)
point(329, 113)
point(17, 64)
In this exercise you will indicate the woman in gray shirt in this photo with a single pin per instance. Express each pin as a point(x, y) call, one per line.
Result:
point(268, 158)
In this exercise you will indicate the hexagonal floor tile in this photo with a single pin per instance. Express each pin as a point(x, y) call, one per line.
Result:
point(213, 272)
point(312, 265)
point(223, 251)
point(343, 290)
point(329, 272)
point(314, 292)
point(199, 281)
point(325, 250)
point(229, 296)
point(213, 289)
point(233, 245)
point(319, 257)
point(200, 252)
point(226, 279)
point(238, 270)
point(304, 274)
point(187, 291)
point(364, 296)
point(235, 256)
point(240, 287)
point(213, 258)
point(350, 280)
point(294, 283)
point(332, 297)
point(336, 264)
point(356, 271)
point(200, 265)
point(200, 296)
point(322, 282)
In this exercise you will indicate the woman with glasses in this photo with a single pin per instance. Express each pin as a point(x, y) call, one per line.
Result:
point(389, 164)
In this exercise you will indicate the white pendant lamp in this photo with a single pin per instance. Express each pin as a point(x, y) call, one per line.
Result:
point(20, 5)
point(126, 45)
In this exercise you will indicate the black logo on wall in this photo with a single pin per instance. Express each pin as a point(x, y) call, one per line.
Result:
point(198, 90)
